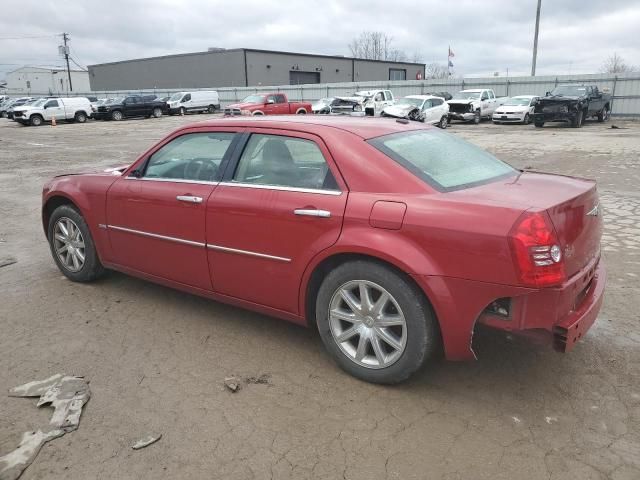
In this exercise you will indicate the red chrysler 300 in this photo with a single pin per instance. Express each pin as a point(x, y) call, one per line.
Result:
point(392, 238)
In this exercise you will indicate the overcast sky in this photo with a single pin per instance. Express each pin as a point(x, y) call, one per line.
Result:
point(486, 36)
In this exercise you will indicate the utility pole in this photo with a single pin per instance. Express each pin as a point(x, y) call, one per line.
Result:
point(535, 41)
point(65, 37)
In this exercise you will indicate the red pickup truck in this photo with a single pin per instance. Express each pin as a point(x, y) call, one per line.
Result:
point(267, 104)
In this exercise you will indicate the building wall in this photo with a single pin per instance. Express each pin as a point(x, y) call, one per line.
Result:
point(42, 81)
point(195, 70)
point(227, 69)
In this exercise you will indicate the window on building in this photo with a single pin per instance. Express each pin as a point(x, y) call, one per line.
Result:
point(297, 77)
point(397, 74)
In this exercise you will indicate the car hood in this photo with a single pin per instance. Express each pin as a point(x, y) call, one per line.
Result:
point(115, 170)
point(559, 98)
point(355, 99)
point(242, 105)
point(399, 110)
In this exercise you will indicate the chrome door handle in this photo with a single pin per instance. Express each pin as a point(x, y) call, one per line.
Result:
point(312, 212)
point(189, 199)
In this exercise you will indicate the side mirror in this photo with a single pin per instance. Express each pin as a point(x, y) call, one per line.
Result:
point(136, 174)
point(548, 93)
point(270, 100)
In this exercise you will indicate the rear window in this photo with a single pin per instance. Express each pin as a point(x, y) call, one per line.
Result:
point(444, 161)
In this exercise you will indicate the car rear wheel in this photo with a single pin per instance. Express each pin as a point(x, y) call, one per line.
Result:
point(116, 115)
point(375, 323)
point(604, 114)
point(157, 112)
point(444, 121)
point(80, 117)
point(36, 120)
point(72, 246)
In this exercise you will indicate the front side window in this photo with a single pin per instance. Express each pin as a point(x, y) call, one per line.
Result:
point(194, 157)
point(280, 99)
point(435, 102)
point(187, 97)
point(284, 162)
point(442, 160)
point(271, 99)
point(427, 104)
point(51, 104)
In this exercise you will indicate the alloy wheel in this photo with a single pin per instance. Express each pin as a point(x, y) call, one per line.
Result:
point(68, 244)
point(367, 324)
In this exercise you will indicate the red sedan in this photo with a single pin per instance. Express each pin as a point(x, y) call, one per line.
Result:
point(390, 237)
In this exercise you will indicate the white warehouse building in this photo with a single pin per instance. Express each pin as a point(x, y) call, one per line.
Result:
point(26, 81)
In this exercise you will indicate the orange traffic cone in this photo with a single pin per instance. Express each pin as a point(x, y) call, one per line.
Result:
point(53, 120)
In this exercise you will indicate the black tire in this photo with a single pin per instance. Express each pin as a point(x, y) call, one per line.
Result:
point(476, 118)
point(422, 330)
point(578, 120)
point(211, 109)
point(603, 115)
point(157, 112)
point(80, 117)
point(444, 122)
point(92, 268)
point(36, 120)
point(538, 124)
point(117, 115)
point(526, 120)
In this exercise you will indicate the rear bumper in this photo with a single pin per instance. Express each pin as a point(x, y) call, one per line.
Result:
point(560, 315)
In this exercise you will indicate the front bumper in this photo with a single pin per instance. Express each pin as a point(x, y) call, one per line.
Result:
point(554, 116)
point(465, 117)
point(508, 117)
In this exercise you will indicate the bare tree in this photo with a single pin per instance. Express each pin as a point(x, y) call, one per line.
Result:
point(615, 64)
point(416, 57)
point(376, 46)
point(436, 70)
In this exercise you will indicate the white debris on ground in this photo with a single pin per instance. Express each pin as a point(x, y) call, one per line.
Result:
point(67, 395)
point(146, 441)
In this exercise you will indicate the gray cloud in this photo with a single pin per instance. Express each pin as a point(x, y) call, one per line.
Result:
point(493, 35)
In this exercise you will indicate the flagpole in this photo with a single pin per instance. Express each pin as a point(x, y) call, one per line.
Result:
point(448, 61)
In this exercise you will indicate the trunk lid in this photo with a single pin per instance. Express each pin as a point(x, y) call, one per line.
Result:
point(571, 203)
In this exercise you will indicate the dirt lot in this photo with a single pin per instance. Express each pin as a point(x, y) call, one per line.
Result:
point(157, 358)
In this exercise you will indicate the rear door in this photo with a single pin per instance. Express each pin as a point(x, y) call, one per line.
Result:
point(156, 218)
point(281, 202)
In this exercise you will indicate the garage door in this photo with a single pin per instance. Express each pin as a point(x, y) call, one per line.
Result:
point(299, 78)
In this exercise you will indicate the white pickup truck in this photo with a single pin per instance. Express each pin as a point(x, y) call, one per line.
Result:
point(72, 109)
point(371, 102)
point(474, 104)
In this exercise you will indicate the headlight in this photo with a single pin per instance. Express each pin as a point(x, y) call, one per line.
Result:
point(357, 108)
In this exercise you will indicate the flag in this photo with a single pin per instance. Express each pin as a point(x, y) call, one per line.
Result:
point(450, 63)
point(451, 54)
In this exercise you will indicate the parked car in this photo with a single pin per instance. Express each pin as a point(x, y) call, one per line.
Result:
point(74, 109)
point(421, 108)
point(474, 104)
point(131, 106)
point(573, 104)
point(7, 108)
point(371, 102)
point(392, 238)
point(267, 104)
point(322, 106)
point(197, 101)
point(518, 109)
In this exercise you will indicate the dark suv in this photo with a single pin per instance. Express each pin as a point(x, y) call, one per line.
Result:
point(573, 104)
point(131, 106)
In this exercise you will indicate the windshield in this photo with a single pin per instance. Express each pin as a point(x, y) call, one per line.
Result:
point(40, 102)
point(569, 91)
point(518, 102)
point(416, 102)
point(442, 160)
point(175, 97)
point(254, 99)
point(466, 96)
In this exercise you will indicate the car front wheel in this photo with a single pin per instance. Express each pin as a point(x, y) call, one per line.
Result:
point(72, 246)
point(444, 121)
point(375, 323)
point(117, 115)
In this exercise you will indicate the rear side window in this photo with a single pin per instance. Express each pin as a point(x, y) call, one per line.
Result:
point(444, 161)
point(284, 162)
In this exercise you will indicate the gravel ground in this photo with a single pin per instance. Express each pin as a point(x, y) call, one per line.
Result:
point(157, 358)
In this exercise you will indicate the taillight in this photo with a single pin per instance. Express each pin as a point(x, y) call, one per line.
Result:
point(536, 251)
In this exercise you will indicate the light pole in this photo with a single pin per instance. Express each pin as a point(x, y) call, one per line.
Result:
point(535, 40)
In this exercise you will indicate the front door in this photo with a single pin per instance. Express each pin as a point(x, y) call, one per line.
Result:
point(53, 108)
point(281, 202)
point(156, 214)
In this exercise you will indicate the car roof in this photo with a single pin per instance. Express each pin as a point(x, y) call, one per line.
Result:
point(422, 97)
point(365, 127)
point(475, 89)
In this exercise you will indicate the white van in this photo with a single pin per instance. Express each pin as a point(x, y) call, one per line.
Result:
point(197, 101)
point(74, 109)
